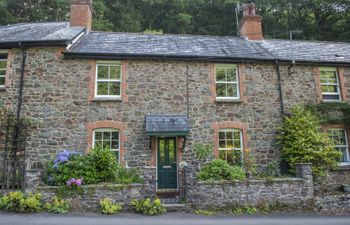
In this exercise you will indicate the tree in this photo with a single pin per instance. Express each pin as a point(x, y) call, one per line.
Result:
point(302, 141)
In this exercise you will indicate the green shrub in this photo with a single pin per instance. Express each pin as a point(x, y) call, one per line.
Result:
point(302, 141)
point(100, 165)
point(57, 205)
point(202, 151)
point(127, 176)
point(245, 210)
point(218, 170)
point(108, 207)
point(19, 202)
point(147, 207)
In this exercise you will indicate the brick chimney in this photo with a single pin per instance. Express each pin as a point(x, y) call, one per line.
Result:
point(81, 14)
point(250, 25)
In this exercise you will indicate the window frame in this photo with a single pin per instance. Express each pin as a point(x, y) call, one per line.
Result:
point(231, 149)
point(4, 76)
point(107, 130)
point(346, 146)
point(237, 82)
point(338, 85)
point(97, 80)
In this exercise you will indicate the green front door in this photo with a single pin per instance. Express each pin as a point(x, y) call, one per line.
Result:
point(167, 169)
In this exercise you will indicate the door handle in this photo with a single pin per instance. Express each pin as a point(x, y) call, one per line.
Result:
point(166, 167)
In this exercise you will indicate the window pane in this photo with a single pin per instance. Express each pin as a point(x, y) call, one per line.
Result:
point(237, 135)
point(115, 135)
point(115, 145)
point(98, 143)
point(2, 72)
point(220, 74)
point(2, 80)
point(221, 90)
point(115, 72)
point(333, 89)
point(231, 74)
point(324, 88)
point(232, 90)
point(237, 143)
point(222, 144)
point(331, 97)
point(102, 88)
point(229, 157)
point(221, 135)
point(102, 72)
point(98, 135)
point(229, 143)
point(106, 136)
point(114, 88)
point(222, 155)
point(2, 64)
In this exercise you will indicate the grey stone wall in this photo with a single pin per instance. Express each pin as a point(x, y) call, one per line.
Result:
point(336, 203)
point(56, 93)
point(284, 191)
point(89, 198)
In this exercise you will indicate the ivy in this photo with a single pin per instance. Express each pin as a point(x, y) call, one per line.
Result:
point(331, 112)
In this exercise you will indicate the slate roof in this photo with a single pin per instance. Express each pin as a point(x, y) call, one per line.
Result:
point(40, 33)
point(132, 45)
point(166, 123)
point(208, 47)
point(314, 51)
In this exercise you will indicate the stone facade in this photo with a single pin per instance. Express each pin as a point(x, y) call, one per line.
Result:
point(57, 98)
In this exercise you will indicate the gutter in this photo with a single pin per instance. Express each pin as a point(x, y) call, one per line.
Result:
point(278, 71)
point(126, 56)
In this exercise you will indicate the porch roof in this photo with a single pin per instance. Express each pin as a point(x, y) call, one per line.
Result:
point(167, 125)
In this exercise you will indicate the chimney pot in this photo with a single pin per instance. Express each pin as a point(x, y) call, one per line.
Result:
point(81, 14)
point(250, 25)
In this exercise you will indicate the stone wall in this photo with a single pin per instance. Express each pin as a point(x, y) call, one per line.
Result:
point(56, 98)
point(336, 203)
point(92, 194)
point(284, 191)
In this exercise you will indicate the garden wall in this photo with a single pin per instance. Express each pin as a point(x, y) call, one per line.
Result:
point(287, 191)
point(335, 203)
point(88, 199)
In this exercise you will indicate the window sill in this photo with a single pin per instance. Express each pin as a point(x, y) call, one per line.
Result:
point(2, 88)
point(106, 99)
point(223, 100)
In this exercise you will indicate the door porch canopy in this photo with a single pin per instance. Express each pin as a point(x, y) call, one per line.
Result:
point(167, 125)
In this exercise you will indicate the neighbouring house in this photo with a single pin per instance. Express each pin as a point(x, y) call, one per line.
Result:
point(151, 97)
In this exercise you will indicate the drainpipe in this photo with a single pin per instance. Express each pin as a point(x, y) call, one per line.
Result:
point(187, 92)
point(278, 71)
point(21, 83)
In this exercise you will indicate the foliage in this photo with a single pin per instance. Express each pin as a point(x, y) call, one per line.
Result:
point(98, 166)
point(318, 19)
point(148, 207)
point(272, 170)
point(20, 202)
point(302, 141)
point(249, 164)
point(218, 170)
point(127, 176)
point(205, 212)
point(202, 151)
point(108, 207)
point(331, 112)
point(245, 210)
point(57, 205)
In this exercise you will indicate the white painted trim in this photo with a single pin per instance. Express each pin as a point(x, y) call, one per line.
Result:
point(109, 64)
point(4, 51)
point(107, 130)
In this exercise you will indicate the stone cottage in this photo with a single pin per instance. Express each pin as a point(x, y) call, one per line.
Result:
point(151, 97)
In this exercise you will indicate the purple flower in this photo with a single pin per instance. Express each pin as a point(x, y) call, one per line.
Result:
point(78, 182)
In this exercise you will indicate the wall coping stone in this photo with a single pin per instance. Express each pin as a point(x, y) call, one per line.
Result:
point(292, 179)
point(97, 186)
